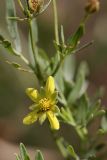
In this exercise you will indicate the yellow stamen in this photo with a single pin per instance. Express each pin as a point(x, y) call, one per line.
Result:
point(44, 104)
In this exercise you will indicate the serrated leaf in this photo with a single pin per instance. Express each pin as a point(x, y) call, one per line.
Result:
point(39, 156)
point(12, 24)
point(23, 152)
point(72, 152)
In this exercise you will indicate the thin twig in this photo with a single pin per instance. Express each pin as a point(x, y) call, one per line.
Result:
point(21, 6)
point(83, 47)
point(17, 18)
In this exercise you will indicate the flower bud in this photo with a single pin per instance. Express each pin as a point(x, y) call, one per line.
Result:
point(92, 6)
point(35, 5)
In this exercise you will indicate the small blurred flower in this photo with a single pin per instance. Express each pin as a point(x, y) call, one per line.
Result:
point(44, 105)
point(35, 5)
point(92, 6)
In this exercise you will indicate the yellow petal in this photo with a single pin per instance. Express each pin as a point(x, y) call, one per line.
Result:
point(30, 118)
point(32, 93)
point(42, 118)
point(53, 120)
point(50, 86)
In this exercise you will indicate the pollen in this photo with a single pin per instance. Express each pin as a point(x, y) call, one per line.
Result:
point(44, 104)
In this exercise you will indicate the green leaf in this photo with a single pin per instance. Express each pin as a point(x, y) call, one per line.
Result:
point(80, 84)
point(23, 152)
point(39, 156)
point(62, 35)
point(69, 68)
point(104, 123)
point(67, 116)
point(18, 66)
point(95, 110)
point(6, 44)
point(43, 61)
point(54, 61)
point(82, 110)
point(12, 24)
point(73, 40)
point(17, 157)
point(72, 152)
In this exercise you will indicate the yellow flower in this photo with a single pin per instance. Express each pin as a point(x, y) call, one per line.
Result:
point(44, 105)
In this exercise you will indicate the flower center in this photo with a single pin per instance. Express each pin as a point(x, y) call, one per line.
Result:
point(44, 104)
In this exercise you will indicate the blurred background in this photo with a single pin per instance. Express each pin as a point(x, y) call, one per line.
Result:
point(13, 101)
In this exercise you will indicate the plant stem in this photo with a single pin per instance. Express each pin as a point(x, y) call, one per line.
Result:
point(58, 66)
point(26, 62)
point(60, 144)
point(31, 38)
point(20, 4)
point(17, 19)
point(56, 21)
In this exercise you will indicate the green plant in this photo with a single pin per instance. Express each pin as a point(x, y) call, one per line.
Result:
point(76, 108)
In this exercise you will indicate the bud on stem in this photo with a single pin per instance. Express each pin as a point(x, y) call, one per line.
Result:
point(92, 6)
point(35, 5)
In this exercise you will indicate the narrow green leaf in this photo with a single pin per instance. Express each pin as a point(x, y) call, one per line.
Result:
point(72, 152)
point(39, 156)
point(23, 152)
point(12, 24)
point(19, 67)
point(73, 40)
point(62, 35)
point(104, 123)
point(43, 61)
point(17, 157)
point(6, 44)
point(69, 68)
point(80, 84)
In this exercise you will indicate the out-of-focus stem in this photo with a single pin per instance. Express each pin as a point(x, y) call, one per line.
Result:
point(60, 144)
point(20, 4)
point(17, 19)
point(31, 38)
point(56, 21)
